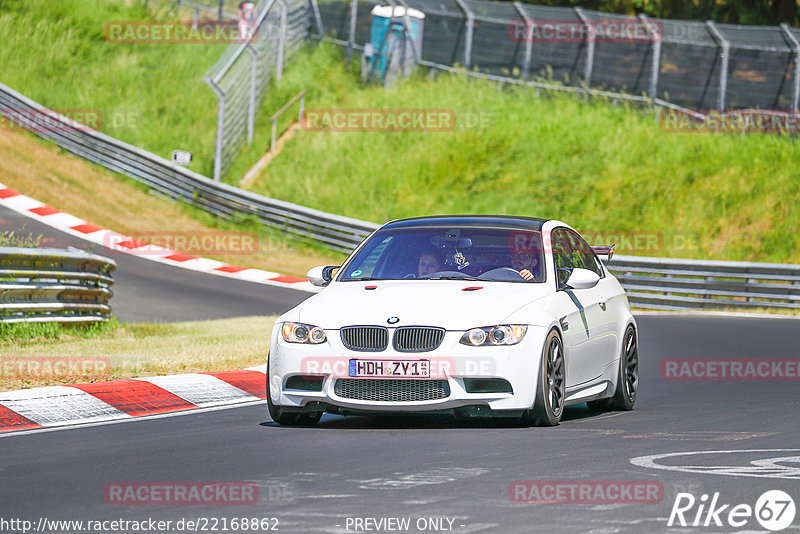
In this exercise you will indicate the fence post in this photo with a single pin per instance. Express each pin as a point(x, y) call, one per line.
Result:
point(655, 67)
point(529, 26)
point(787, 31)
point(251, 111)
point(281, 41)
point(219, 10)
point(318, 18)
point(351, 38)
point(587, 74)
point(220, 129)
point(470, 24)
point(725, 54)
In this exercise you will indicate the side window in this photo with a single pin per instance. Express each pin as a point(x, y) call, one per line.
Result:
point(585, 258)
point(562, 254)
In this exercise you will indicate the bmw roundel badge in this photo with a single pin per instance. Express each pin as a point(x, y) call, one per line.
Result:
point(393, 320)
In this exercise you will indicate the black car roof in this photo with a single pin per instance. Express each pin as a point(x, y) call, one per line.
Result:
point(499, 221)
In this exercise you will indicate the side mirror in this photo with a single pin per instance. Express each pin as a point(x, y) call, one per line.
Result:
point(582, 279)
point(321, 276)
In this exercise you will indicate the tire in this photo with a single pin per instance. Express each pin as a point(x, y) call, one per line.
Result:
point(282, 417)
point(548, 406)
point(627, 377)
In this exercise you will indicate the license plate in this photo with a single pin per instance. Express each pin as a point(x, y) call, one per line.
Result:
point(390, 368)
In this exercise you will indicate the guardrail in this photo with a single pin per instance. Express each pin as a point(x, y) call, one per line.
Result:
point(54, 285)
point(675, 284)
point(337, 232)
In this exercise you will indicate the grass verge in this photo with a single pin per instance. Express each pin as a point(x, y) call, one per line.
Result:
point(129, 350)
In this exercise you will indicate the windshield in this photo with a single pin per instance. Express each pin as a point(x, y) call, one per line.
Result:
point(486, 254)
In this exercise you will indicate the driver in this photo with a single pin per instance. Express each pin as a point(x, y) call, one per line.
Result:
point(429, 263)
point(527, 264)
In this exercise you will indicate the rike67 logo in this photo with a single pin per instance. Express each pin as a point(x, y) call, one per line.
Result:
point(774, 510)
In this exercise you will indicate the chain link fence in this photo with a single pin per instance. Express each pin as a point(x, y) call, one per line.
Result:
point(241, 76)
point(685, 64)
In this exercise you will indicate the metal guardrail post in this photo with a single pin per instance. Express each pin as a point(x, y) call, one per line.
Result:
point(587, 73)
point(787, 32)
point(317, 18)
point(725, 54)
point(655, 65)
point(529, 28)
point(251, 111)
point(220, 129)
point(351, 36)
point(281, 41)
point(470, 28)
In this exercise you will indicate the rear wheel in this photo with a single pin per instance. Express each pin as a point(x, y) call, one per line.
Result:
point(282, 417)
point(548, 406)
point(627, 377)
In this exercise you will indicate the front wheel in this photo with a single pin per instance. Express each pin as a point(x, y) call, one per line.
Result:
point(548, 406)
point(282, 417)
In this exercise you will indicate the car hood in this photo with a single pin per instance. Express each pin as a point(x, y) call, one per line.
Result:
point(449, 304)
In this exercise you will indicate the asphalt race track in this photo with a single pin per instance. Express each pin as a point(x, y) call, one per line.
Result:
point(145, 290)
point(322, 479)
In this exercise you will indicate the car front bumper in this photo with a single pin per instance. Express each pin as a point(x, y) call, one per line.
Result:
point(451, 364)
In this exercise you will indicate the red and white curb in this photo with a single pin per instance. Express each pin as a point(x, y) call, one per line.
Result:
point(118, 400)
point(116, 242)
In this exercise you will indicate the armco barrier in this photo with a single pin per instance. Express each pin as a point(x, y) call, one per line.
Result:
point(674, 284)
point(49, 285)
point(655, 283)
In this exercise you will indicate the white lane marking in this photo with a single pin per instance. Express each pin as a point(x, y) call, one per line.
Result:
point(58, 405)
point(200, 390)
point(715, 314)
point(181, 413)
point(758, 468)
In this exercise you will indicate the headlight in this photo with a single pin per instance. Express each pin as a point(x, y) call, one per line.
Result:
point(303, 333)
point(504, 334)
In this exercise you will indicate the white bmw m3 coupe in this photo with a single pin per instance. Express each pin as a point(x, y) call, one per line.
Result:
point(470, 315)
